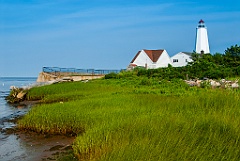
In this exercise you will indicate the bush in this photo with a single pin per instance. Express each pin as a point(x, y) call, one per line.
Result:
point(111, 76)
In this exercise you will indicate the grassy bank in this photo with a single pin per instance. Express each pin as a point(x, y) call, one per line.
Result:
point(140, 119)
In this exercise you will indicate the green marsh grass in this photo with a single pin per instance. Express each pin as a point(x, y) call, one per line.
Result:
point(131, 119)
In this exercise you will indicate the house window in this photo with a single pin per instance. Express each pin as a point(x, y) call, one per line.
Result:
point(175, 60)
point(186, 60)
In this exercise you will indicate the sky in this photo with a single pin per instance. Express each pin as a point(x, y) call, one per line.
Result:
point(106, 34)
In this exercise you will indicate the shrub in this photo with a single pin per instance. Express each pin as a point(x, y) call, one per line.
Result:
point(111, 76)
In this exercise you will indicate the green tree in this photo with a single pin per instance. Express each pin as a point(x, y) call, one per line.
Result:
point(232, 56)
point(218, 58)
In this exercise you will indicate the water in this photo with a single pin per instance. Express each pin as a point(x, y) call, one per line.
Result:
point(10, 147)
point(7, 110)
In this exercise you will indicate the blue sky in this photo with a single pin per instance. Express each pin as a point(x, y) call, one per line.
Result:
point(104, 34)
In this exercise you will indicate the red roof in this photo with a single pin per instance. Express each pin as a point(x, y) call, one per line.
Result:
point(201, 21)
point(152, 54)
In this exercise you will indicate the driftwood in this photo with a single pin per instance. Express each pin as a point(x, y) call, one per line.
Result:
point(16, 95)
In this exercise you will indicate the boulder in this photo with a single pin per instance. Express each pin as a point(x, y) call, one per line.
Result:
point(235, 85)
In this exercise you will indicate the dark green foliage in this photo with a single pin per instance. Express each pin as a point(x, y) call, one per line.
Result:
point(111, 75)
point(232, 56)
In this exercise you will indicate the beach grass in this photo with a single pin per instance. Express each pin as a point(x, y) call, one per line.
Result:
point(139, 119)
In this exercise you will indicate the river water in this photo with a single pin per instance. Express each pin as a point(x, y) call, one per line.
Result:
point(18, 146)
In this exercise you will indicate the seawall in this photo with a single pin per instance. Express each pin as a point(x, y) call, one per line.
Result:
point(48, 77)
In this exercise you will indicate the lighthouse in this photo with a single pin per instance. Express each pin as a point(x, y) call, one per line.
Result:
point(202, 46)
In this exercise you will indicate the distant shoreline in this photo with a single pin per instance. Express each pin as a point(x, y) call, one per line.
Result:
point(14, 77)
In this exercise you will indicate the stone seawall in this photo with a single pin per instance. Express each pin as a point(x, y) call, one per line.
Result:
point(47, 77)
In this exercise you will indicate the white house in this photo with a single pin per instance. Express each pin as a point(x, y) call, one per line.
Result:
point(150, 59)
point(181, 59)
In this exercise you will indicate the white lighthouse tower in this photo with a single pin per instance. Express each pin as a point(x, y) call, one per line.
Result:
point(202, 46)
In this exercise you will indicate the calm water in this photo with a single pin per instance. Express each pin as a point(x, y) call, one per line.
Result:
point(11, 148)
point(7, 110)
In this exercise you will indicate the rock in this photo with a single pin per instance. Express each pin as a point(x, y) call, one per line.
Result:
point(198, 82)
point(21, 95)
point(67, 79)
point(235, 85)
point(214, 83)
point(191, 82)
point(16, 95)
point(85, 81)
point(12, 87)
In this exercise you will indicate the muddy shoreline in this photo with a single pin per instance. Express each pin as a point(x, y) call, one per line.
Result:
point(31, 146)
point(45, 147)
point(39, 147)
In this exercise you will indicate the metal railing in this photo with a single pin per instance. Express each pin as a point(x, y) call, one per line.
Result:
point(57, 71)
